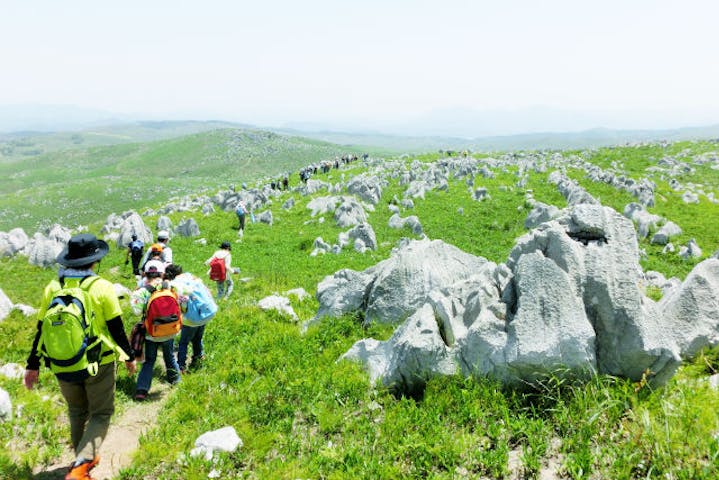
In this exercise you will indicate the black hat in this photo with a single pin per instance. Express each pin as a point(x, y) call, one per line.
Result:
point(82, 249)
point(226, 246)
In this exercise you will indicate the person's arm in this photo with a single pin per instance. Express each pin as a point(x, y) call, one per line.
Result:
point(32, 368)
point(117, 332)
point(138, 300)
point(109, 308)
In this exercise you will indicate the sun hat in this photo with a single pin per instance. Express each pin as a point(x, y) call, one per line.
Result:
point(163, 235)
point(82, 249)
point(155, 266)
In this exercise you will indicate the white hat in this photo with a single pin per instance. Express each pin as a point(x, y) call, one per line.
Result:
point(156, 264)
point(163, 234)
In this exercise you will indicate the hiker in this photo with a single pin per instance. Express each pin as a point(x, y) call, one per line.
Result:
point(154, 249)
point(220, 268)
point(159, 308)
point(154, 258)
point(199, 309)
point(135, 249)
point(163, 237)
point(241, 212)
point(87, 385)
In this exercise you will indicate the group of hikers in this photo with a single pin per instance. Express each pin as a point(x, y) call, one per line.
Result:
point(80, 334)
point(324, 167)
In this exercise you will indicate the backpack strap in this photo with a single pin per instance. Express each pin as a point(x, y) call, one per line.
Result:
point(86, 287)
point(92, 279)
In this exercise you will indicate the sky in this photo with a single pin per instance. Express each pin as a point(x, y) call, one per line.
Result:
point(369, 63)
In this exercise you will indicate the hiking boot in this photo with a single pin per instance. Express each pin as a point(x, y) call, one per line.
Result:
point(173, 376)
point(82, 471)
point(197, 362)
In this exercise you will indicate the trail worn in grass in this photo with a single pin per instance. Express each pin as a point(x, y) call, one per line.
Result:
point(121, 442)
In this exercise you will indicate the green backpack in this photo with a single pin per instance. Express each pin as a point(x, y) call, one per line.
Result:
point(67, 338)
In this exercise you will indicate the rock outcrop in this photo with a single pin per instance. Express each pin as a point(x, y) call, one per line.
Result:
point(568, 302)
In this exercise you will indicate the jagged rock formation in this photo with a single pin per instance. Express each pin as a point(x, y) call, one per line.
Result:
point(389, 292)
point(569, 301)
point(188, 228)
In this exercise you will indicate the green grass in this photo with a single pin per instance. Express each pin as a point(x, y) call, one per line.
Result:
point(301, 414)
point(76, 187)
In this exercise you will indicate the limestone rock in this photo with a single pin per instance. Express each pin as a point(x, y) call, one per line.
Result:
point(279, 303)
point(188, 228)
point(5, 406)
point(223, 440)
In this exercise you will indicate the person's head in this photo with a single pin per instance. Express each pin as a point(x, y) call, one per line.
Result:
point(154, 270)
point(134, 237)
point(226, 245)
point(172, 271)
point(163, 236)
point(82, 252)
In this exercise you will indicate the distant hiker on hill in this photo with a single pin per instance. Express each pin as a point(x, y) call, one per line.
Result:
point(88, 383)
point(159, 307)
point(220, 269)
point(241, 212)
point(285, 183)
point(135, 249)
point(199, 309)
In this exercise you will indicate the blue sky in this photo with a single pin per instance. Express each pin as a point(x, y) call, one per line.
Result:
point(365, 62)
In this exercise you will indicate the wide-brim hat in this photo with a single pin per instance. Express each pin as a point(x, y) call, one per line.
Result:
point(82, 249)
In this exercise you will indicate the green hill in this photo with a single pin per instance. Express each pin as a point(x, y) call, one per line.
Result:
point(302, 414)
point(77, 186)
point(21, 145)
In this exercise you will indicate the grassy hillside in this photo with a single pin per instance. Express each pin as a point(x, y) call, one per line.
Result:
point(75, 187)
point(301, 414)
point(21, 145)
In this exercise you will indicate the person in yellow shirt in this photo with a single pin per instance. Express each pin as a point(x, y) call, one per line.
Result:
point(88, 387)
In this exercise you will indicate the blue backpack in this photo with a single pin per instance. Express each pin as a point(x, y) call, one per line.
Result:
point(240, 210)
point(201, 307)
point(136, 247)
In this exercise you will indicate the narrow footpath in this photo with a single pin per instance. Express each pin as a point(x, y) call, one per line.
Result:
point(122, 439)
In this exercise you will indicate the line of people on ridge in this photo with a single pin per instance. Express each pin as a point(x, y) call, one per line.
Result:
point(325, 166)
point(80, 334)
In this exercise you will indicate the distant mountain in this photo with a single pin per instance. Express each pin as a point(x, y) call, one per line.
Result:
point(67, 127)
point(28, 144)
point(468, 123)
point(557, 140)
point(54, 118)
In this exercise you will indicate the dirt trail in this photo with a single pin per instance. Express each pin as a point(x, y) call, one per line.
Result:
point(121, 442)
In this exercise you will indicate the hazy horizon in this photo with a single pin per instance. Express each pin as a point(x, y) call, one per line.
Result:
point(419, 67)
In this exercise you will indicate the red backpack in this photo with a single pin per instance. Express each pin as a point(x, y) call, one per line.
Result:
point(163, 316)
point(218, 269)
